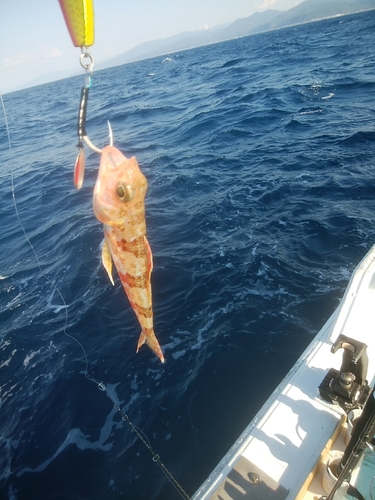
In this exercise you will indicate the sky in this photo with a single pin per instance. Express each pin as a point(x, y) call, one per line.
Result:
point(34, 40)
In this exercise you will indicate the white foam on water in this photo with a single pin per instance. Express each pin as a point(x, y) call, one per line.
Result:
point(81, 441)
point(7, 361)
point(4, 344)
point(133, 383)
point(6, 393)
point(325, 98)
point(76, 437)
point(29, 357)
point(56, 308)
point(178, 354)
point(132, 398)
point(200, 337)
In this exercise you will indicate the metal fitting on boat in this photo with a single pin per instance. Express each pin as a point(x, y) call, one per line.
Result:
point(347, 379)
point(253, 477)
point(332, 471)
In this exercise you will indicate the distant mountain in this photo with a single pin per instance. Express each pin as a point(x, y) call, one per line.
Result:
point(247, 25)
point(312, 10)
point(307, 11)
point(182, 41)
point(191, 39)
point(53, 76)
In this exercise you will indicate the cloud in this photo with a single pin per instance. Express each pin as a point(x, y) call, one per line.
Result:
point(266, 4)
point(51, 53)
point(22, 58)
point(26, 58)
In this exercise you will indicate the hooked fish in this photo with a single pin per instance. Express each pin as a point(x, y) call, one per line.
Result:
point(119, 204)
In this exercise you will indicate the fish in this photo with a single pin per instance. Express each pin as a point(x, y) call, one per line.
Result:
point(118, 203)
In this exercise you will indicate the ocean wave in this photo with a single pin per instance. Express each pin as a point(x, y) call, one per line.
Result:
point(259, 159)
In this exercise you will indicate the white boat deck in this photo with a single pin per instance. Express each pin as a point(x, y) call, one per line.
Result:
point(281, 446)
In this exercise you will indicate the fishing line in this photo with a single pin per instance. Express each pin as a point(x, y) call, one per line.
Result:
point(65, 306)
point(155, 457)
point(124, 417)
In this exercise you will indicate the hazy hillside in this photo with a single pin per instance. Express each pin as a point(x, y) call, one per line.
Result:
point(190, 39)
point(309, 10)
point(246, 25)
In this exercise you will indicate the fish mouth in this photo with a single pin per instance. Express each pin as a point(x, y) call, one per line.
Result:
point(112, 157)
point(105, 212)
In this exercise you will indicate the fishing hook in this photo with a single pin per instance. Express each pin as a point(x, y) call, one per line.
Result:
point(81, 124)
point(79, 168)
point(87, 62)
point(92, 146)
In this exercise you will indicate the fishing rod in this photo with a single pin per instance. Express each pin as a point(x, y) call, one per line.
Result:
point(362, 436)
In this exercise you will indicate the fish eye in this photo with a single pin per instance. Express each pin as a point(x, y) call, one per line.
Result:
point(125, 193)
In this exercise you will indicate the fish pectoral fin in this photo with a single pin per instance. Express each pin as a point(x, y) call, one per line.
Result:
point(107, 259)
point(150, 264)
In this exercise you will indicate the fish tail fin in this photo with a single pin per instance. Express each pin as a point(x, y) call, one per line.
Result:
point(153, 344)
point(142, 339)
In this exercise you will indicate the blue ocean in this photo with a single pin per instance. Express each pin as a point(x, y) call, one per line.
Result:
point(260, 158)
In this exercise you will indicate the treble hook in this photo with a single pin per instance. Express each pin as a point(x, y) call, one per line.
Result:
point(79, 168)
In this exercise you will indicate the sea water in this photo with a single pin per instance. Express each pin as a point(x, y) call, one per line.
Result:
point(259, 154)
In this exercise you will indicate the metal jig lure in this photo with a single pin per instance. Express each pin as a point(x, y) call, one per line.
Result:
point(79, 19)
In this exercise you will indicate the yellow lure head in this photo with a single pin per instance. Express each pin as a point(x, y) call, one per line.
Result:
point(79, 19)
